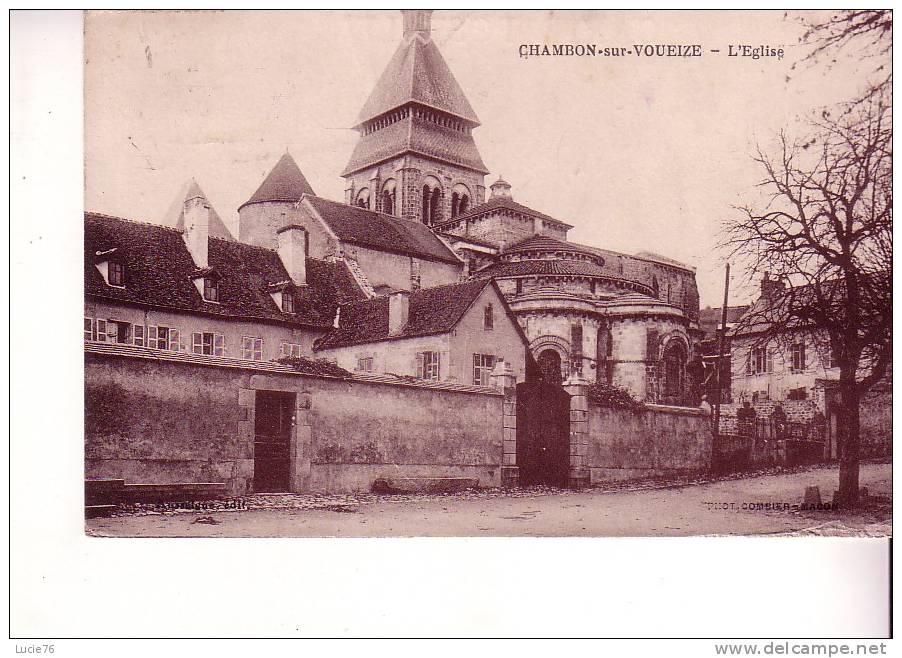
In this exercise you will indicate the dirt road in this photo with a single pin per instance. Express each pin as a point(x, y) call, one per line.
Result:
point(717, 508)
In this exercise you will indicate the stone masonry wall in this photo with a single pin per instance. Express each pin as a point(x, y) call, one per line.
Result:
point(658, 441)
point(150, 419)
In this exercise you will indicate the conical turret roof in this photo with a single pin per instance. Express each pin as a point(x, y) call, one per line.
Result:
point(286, 182)
point(175, 216)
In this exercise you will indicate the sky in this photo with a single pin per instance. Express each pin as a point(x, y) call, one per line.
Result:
point(636, 153)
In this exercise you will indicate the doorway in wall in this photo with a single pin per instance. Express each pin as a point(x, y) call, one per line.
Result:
point(273, 424)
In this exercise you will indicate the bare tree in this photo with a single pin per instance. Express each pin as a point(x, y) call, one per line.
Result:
point(826, 230)
point(863, 34)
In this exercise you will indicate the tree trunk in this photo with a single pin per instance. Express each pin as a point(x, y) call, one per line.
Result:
point(849, 441)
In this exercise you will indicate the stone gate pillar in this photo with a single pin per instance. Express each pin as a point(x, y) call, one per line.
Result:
point(504, 379)
point(578, 388)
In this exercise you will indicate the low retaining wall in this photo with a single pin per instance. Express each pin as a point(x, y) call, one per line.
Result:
point(159, 418)
point(658, 441)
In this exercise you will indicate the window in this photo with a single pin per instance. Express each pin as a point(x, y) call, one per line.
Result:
point(89, 329)
point(576, 346)
point(287, 302)
point(116, 273)
point(519, 286)
point(291, 349)
point(111, 331)
point(489, 318)
point(364, 364)
point(211, 289)
point(138, 335)
point(797, 357)
point(428, 365)
point(207, 342)
point(252, 348)
point(760, 361)
point(164, 338)
point(483, 364)
point(828, 359)
point(592, 287)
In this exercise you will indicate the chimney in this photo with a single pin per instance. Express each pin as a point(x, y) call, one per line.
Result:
point(771, 288)
point(398, 312)
point(197, 229)
point(417, 21)
point(292, 251)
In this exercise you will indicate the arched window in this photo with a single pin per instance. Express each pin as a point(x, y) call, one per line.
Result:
point(654, 287)
point(674, 371)
point(425, 204)
point(460, 200)
point(388, 197)
point(432, 199)
point(363, 198)
point(434, 206)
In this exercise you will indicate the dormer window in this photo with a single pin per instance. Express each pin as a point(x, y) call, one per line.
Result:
point(116, 273)
point(111, 268)
point(211, 289)
point(287, 302)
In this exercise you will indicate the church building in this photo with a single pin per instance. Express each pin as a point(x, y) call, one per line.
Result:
point(626, 320)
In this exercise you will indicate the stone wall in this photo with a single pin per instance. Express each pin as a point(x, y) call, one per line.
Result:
point(171, 418)
point(658, 441)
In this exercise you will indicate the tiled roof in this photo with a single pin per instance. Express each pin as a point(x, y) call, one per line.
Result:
point(432, 311)
point(377, 230)
point(650, 255)
point(709, 318)
point(176, 215)
point(503, 202)
point(286, 182)
point(546, 243)
point(561, 267)
point(418, 73)
point(416, 135)
point(158, 270)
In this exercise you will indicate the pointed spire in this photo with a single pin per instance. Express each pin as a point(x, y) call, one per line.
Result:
point(286, 182)
point(176, 214)
point(417, 73)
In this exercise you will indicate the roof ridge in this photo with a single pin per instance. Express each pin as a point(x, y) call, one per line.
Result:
point(137, 221)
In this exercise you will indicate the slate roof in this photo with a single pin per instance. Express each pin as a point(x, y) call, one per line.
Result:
point(416, 135)
point(503, 202)
point(286, 182)
point(175, 216)
point(418, 73)
point(158, 270)
point(432, 311)
point(377, 230)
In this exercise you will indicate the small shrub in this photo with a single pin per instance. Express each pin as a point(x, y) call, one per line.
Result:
point(605, 395)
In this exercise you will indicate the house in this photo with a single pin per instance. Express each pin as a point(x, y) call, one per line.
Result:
point(796, 371)
point(157, 287)
point(454, 333)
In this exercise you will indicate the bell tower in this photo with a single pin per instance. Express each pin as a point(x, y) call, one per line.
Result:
point(416, 157)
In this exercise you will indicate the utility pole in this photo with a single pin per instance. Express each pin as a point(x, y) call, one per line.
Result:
point(720, 348)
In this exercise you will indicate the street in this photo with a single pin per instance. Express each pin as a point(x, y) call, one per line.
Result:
point(724, 507)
